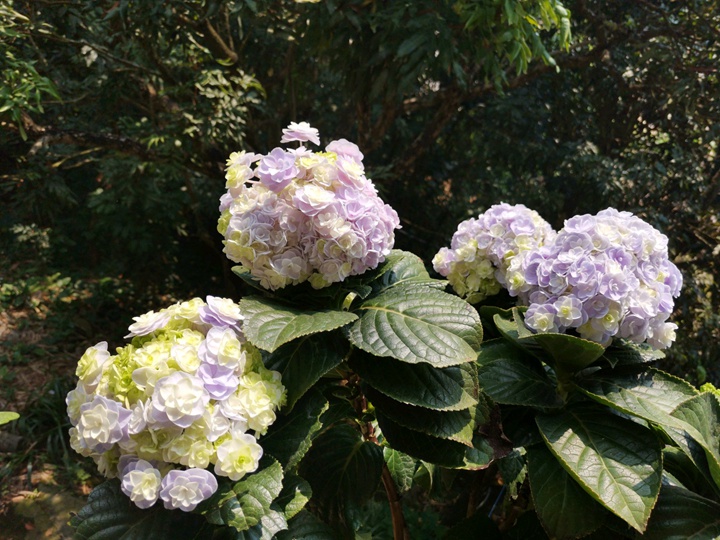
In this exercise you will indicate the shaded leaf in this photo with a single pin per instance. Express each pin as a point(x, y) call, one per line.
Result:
point(450, 388)
point(434, 450)
point(683, 515)
point(303, 361)
point(628, 353)
point(456, 426)
point(290, 437)
point(306, 526)
point(617, 461)
point(510, 376)
point(418, 325)
point(564, 508)
point(269, 324)
point(701, 417)
point(569, 353)
point(110, 515)
point(295, 494)
point(341, 468)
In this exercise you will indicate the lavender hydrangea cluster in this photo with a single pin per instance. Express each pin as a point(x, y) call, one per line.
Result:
point(295, 215)
point(486, 252)
point(188, 392)
point(603, 276)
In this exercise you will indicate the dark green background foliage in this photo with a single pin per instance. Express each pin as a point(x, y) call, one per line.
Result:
point(117, 117)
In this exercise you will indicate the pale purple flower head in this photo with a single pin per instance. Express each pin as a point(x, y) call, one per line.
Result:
point(300, 132)
point(613, 268)
point(141, 482)
point(485, 252)
point(312, 217)
point(102, 423)
point(186, 489)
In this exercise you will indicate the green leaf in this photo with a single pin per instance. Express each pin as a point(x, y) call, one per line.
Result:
point(402, 268)
point(290, 437)
point(456, 426)
point(442, 452)
point(683, 515)
point(418, 324)
point(110, 515)
point(701, 420)
point(342, 468)
point(617, 461)
point(306, 526)
point(411, 44)
point(268, 324)
point(569, 353)
point(627, 353)
point(564, 508)
point(8, 416)
point(512, 377)
point(513, 470)
point(295, 494)
point(447, 389)
point(243, 504)
point(650, 394)
point(305, 360)
point(401, 467)
point(685, 471)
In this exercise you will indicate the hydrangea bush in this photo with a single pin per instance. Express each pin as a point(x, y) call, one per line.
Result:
point(188, 393)
point(281, 414)
point(295, 215)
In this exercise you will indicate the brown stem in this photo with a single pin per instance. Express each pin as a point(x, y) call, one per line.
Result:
point(400, 530)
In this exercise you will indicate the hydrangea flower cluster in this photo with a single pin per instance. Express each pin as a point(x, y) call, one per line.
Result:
point(295, 215)
point(188, 392)
point(486, 252)
point(603, 276)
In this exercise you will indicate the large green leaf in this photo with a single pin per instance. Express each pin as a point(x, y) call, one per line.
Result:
point(701, 420)
point(617, 461)
point(650, 394)
point(269, 324)
point(305, 360)
point(448, 389)
point(564, 508)
point(686, 472)
point(510, 376)
point(342, 468)
point(628, 353)
point(110, 515)
point(290, 437)
point(418, 324)
point(402, 268)
point(683, 515)
point(456, 426)
point(435, 450)
point(243, 504)
point(569, 353)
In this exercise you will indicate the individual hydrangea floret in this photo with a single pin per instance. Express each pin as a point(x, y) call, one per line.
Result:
point(300, 215)
point(186, 395)
point(485, 253)
point(603, 276)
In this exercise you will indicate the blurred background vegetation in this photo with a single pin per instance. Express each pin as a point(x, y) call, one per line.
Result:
point(117, 116)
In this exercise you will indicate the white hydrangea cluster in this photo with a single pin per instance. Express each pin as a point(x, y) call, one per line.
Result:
point(485, 253)
point(295, 215)
point(188, 392)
